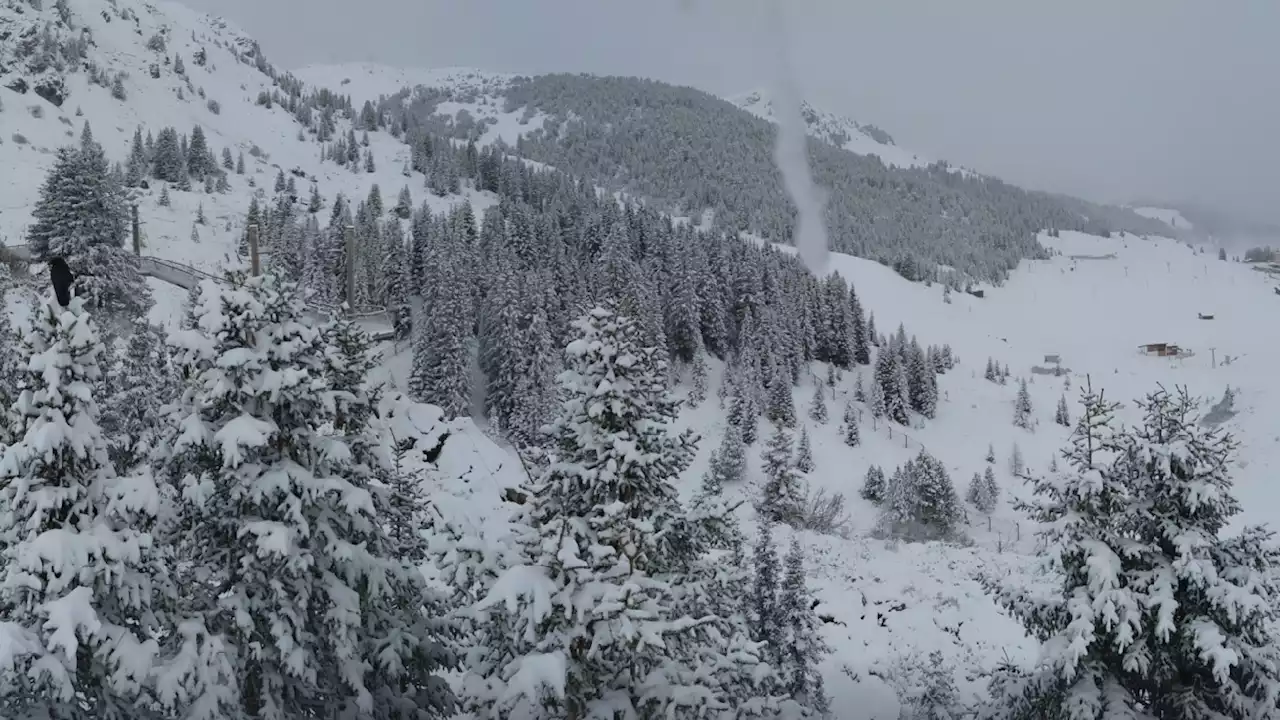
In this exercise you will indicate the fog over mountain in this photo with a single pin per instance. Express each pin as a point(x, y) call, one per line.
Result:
point(1171, 99)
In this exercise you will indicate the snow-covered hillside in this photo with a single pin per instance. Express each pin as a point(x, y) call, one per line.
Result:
point(839, 131)
point(1171, 217)
point(270, 138)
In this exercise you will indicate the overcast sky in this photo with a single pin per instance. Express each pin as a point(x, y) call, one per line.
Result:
point(1113, 99)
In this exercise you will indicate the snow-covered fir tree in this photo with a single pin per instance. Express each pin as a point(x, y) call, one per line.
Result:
point(1022, 407)
point(631, 645)
point(920, 501)
point(983, 491)
point(85, 585)
point(873, 485)
point(728, 464)
point(698, 381)
point(818, 405)
point(141, 384)
point(851, 433)
point(804, 452)
point(781, 408)
point(991, 453)
point(80, 216)
point(781, 495)
point(802, 647)
point(316, 616)
point(1062, 416)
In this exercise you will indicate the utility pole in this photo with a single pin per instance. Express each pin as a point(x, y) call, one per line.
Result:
point(349, 233)
point(254, 267)
point(137, 231)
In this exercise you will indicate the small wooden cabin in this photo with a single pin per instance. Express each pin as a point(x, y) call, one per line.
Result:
point(1162, 349)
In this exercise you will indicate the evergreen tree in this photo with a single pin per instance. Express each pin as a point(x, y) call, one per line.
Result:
point(766, 616)
point(818, 406)
point(1061, 416)
point(623, 570)
point(877, 401)
point(269, 442)
point(141, 384)
point(164, 200)
point(728, 464)
point(743, 411)
point(920, 501)
point(81, 217)
point(1088, 655)
point(228, 163)
point(781, 498)
point(802, 645)
point(1016, 464)
point(404, 204)
point(983, 491)
point(873, 486)
point(852, 435)
point(1022, 407)
point(240, 164)
point(804, 453)
point(858, 393)
point(85, 587)
point(199, 158)
point(782, 405)
point(991, 453)
point(698, 381)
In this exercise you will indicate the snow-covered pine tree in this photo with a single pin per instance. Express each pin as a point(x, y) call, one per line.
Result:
point(80, 216)
point(802, 648)
point(267, 445)
point(781, 409)
point(991, 453)
point(85, 586)
point(766, 580)
point(781, 495)
point(982, 491)
point(442, 333)
point(890, 377)
point(743, 410)
point(1062, 416)
point(920, 501)
point(818, 405)
point(728, 464)
point(1211, 601)
point(992, 372)
point(876, 400)
point(620, 571)
point(1022, 407)
point(852, 434)
point(873, 486)
point(1090, 629)
point(804, 452)
point(141, 384)
point(858, 393)
point(698, 381)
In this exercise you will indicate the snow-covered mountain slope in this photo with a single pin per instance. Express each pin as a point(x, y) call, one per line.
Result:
point(840, 131)
point(270, 138)
point(1169, 216)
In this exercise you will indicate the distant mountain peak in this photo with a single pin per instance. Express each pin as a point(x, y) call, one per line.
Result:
point(837, 130)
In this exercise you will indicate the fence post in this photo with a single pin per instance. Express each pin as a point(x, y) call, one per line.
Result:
point(254, 267)
point(350, 236)
point(137, 231)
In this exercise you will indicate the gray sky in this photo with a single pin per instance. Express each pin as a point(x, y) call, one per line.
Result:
point(1112, 99)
